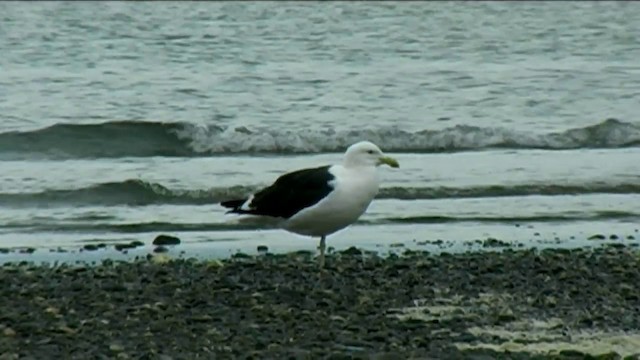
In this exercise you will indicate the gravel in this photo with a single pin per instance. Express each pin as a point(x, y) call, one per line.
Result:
point(281, 306)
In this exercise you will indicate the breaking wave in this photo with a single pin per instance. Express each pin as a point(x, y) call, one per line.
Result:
point(136, 192)
point(179, 139)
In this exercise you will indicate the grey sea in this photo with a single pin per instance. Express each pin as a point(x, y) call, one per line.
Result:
point(120, 121)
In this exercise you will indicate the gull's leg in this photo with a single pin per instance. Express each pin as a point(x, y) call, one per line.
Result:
point(321, 247)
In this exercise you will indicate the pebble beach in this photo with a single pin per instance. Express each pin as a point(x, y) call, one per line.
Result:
point(505, 304)
point(510, 230)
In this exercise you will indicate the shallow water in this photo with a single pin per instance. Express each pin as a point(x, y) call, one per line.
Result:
point(123, 120)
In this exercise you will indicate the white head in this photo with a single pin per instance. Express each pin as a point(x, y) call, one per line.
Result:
point(366, 153)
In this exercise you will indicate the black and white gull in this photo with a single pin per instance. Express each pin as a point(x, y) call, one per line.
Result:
point(319, 201)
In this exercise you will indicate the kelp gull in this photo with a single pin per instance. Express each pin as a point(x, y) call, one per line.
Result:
point(320, 201)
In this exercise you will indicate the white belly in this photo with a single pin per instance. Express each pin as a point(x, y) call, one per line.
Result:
point(348, 201)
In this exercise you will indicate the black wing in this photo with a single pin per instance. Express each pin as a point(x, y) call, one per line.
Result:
point(289, 194)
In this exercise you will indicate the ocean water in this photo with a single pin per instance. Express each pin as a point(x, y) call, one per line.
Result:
point(120, 121)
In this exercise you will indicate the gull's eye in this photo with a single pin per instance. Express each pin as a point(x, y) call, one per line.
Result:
point(370, 152)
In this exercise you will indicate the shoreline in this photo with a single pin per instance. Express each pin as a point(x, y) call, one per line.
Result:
point(551, 303)
point(95, 251)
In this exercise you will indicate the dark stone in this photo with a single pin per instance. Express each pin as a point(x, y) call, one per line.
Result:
point(28, 250)
point(166, 240)
point(493, 242)
point(160, 249)
point(607, 356)
point(613, 237)
point(617, 246)
point(121, 247)
point(263, 248)
point(597, 237)
point(4, 251)
point(574, 353)
point(131, 245)
point(352, 251)
point(90, 247)
point(506, 317)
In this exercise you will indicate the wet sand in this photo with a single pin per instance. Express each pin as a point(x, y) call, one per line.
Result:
point(512, 304)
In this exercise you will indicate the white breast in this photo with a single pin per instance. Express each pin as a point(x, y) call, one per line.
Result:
point(354, 190)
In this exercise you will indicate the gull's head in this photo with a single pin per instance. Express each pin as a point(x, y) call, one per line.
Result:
point(366, 153)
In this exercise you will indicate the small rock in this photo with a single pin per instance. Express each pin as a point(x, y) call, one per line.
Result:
point(67, 330)
point(4, 251)
point(131, 245)
point(613, 237)
point(121, 247)
point(27, 251)
point(409, 252)
point(596, 237)
point(607, 356)
point(90, 247)
point(107, 262)
point(9, 332)
point(160, 249)
point(116, 348)
point(630, 237)
point(506, 316)
point(550, 301)
point(52, 310)
point(166, 240)
point(263, 249)
point(201, 318)
point(493, 242)
point(352, 251)
point(573, 353)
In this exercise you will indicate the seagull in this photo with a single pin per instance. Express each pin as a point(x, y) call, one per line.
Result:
point(319, 201)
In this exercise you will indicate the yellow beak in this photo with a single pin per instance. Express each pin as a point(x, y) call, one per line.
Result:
point(388, 161)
